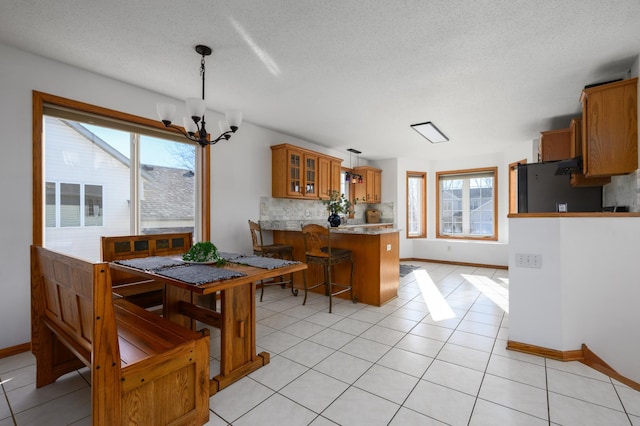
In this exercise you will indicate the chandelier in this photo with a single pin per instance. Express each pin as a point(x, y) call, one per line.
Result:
point(194, 125)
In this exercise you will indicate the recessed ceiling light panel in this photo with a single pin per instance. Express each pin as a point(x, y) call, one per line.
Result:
point(430, 132)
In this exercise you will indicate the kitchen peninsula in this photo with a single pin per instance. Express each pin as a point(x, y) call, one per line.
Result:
point(376, 258)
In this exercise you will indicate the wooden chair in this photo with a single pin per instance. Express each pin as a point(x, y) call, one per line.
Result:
point(279, 251)
point(144, 368)
point(318, 251)
point(145, 293)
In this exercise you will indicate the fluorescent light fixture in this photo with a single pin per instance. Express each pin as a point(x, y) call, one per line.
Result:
point(430, 132)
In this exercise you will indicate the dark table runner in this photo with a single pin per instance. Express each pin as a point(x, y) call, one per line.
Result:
point(151, 263)
point(196, 274)
point(199, 274)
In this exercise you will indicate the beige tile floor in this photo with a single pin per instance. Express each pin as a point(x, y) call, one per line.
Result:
point(434, 356)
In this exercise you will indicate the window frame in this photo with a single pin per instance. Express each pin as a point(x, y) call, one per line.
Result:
point(513, 186)
point(468, 172)
point(423, 204)
point(40, 100)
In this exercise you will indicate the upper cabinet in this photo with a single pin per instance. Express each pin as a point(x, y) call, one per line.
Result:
point(554, 145)
point(610, 128)
point(370, 189)
point(301, 173)
point(575, 140)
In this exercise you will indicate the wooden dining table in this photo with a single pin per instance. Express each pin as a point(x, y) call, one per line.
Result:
point(236, 317)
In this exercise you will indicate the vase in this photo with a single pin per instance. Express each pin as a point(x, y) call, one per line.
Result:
point(334, 220)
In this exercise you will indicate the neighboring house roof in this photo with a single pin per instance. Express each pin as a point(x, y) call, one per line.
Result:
point(168, 193)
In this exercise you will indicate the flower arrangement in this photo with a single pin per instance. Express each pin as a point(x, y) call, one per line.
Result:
point(338, 203)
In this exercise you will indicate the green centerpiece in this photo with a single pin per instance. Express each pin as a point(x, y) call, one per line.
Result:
point(203, 252)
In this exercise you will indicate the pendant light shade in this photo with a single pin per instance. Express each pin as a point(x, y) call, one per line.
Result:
point(194, 125)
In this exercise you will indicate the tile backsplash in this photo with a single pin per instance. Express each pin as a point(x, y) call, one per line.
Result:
point(623, 191)
point(285, 209)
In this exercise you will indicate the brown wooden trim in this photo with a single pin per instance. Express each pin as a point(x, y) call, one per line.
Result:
point(308, 151)
point(575, 355)
point(450, 262)
point(513, 185)
point(39, 99)
point(584, 355)
point(598, 364)
point(15, 350)
point(423, 215)
point(575, 214)
point(37, 169)
point(495, 202)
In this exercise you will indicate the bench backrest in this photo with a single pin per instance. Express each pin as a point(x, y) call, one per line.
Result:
point(132, 246)
point(74, 298)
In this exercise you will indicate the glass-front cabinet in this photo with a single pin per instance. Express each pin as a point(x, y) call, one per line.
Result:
point(295, 173)
point(301, 173)
point(310, 176)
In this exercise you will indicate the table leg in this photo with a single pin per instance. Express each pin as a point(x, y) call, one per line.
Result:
point(171, 307)
point(238, 333)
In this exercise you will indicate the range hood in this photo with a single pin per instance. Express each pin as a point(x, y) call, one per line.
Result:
point(572, 165)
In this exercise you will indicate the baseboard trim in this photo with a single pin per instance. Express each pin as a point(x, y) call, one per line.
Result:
point(576, 355)
point(450, 262)
point(584, 355)
point(15, 350)
point(595, 362)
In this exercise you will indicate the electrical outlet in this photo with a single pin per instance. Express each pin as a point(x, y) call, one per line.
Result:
point(388, 247)
point(529, 260)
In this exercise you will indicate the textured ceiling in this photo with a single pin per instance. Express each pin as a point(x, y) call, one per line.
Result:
point(352, 73)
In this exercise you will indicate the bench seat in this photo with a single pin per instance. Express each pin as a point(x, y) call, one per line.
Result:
point(144, 368)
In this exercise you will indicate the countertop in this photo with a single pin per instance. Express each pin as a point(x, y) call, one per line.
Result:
point(573, 214)
point(348, 228)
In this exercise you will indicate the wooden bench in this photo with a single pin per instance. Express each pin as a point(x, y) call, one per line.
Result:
point(144, 368)
point(145, 293)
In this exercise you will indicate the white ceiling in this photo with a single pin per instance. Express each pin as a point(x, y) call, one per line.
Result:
point(352, 73)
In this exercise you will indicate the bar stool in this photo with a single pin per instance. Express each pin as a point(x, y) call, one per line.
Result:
point(318, 251)
point(278, 251)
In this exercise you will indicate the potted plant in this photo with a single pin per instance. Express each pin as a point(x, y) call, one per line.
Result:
point(336, 204)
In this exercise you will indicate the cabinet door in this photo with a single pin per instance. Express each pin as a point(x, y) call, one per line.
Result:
point(334, 182)
point(377, 187)
point(610, 129)
point(555, 145)
point(370, 183)
point(294, 173)
point(324, 181)
point(578, 179)
point(310, 176)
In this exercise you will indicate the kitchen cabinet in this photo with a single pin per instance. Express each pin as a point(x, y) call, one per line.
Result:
point(575, 139)
point(610, 128)
point(301, 173)
point(554, 145)
point(370, 189)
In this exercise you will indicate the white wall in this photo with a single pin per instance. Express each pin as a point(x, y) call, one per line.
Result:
point(482, 252)
point(586, 290)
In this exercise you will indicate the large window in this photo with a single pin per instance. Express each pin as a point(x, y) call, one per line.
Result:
point(98, 173)
point(416, 205)
point(467, 203)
